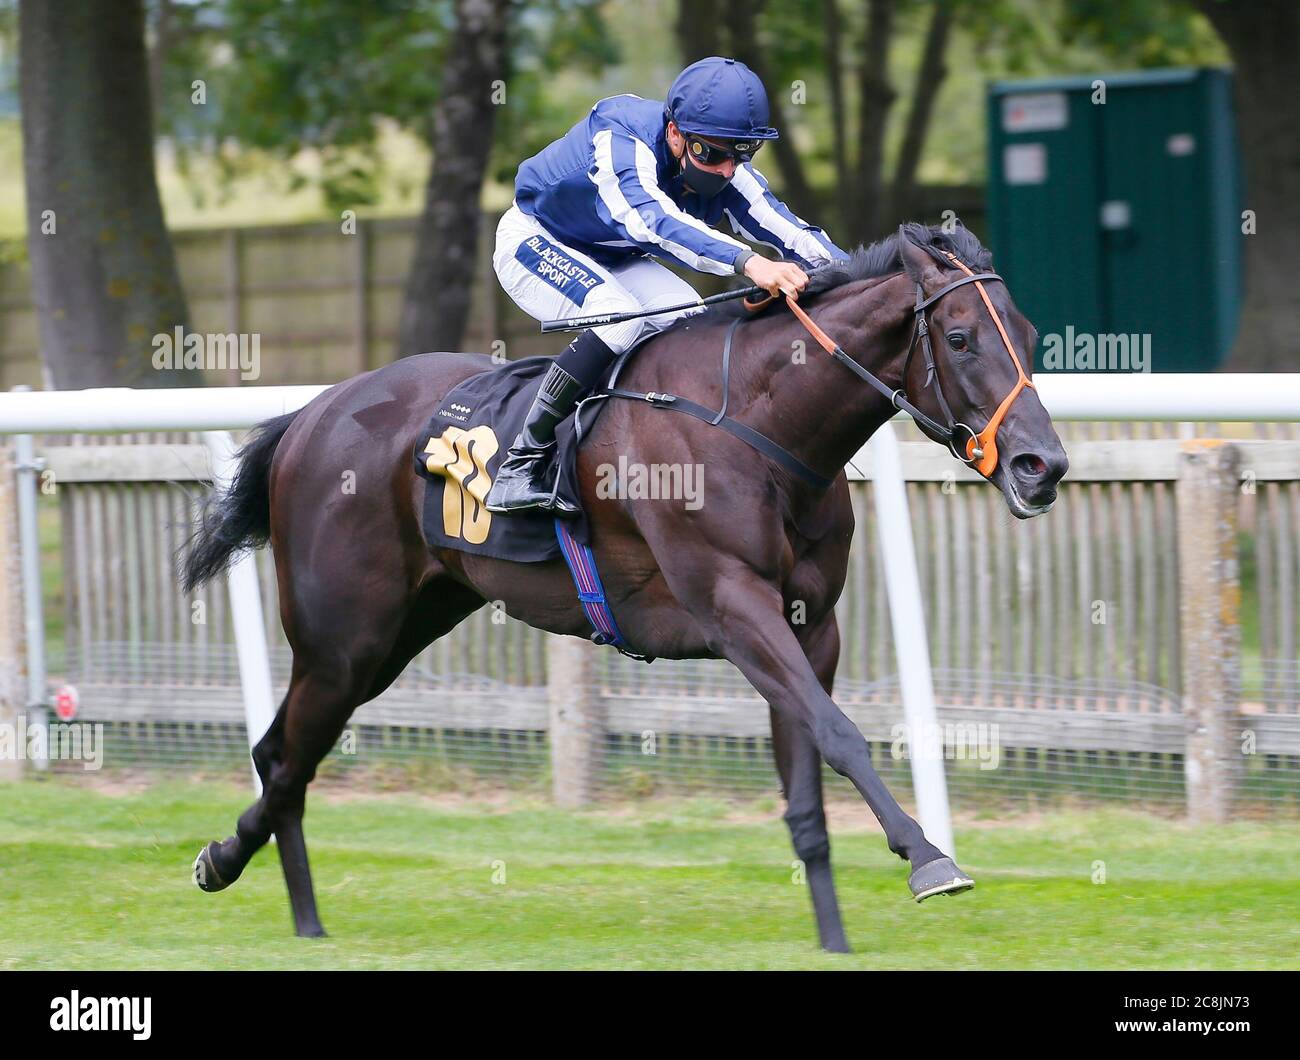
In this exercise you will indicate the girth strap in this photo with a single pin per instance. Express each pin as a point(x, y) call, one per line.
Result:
point(719, 418)
point(735, 428)
point(591, 592)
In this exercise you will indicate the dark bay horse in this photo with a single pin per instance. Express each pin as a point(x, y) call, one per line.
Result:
point(361, 593)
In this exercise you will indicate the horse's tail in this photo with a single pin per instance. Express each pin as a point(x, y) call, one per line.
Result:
point(239, 518)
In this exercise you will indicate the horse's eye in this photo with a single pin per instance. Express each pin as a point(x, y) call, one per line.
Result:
point(957, 341)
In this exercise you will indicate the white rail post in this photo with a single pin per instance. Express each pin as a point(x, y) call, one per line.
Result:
point(903, 586)
point(245, 611)
point(12, 666)
point(29, 546)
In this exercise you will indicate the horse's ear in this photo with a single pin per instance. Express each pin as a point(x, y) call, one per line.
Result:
point(917, 263)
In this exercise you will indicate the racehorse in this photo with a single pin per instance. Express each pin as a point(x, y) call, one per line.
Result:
point(361, 593)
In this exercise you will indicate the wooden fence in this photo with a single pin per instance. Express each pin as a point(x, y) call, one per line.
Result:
point(1074, 634)
point(324, 303)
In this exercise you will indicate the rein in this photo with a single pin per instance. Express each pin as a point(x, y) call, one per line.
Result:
point(980, 450)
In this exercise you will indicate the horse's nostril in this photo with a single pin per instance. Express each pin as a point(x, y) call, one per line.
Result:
point(1030, 465)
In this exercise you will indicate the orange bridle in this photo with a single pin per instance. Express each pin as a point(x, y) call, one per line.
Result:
point(980, 450)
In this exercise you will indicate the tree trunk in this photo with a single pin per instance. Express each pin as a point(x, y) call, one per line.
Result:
point(929, 77)
point(876, 96)
point(741, 18)
point(436, 304)
point(104, 275)
point(697, 30)
point(1264, 38)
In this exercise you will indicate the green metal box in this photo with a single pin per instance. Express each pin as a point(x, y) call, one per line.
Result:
point(1120, 220)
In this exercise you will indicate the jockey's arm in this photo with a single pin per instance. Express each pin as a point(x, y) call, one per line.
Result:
point(631, 202)
point(759, 216)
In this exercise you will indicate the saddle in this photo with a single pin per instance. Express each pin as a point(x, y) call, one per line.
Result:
point(458, 452)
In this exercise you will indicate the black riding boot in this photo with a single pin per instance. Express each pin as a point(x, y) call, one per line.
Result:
point(526, 477)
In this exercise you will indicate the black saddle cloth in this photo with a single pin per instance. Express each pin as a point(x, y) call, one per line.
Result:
point(463, 445)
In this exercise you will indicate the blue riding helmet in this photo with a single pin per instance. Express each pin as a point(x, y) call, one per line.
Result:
point(722, 98)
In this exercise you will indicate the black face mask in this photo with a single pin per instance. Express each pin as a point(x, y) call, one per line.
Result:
point(705, 184)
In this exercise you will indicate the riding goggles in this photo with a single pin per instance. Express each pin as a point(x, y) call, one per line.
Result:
point(710, 154)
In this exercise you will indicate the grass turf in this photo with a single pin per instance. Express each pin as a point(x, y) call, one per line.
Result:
point(95, 879)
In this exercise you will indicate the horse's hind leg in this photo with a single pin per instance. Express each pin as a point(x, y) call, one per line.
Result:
point(324, 691)
point(321, 698)
point(317, 708)
point(800, 765)
point(341, 638)
point(333, 693)
point(221, 864)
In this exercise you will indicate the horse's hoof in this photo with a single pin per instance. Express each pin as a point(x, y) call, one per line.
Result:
point(940, 876)
point(314, 931)
point(205, 875)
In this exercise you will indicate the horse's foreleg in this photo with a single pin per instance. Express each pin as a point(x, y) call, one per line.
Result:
point(748, 627)
point(800, 766)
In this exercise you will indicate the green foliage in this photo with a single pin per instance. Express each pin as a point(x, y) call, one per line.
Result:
point(990, 39)
point(13, 252)
point(1143, 33)
point(564, 38)
point(319, 76)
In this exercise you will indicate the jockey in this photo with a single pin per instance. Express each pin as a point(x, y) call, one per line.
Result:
point(638, 179)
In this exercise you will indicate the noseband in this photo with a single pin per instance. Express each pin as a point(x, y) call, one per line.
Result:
point(980, 450)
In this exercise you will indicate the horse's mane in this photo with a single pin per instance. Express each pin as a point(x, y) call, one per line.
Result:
point(880, 259)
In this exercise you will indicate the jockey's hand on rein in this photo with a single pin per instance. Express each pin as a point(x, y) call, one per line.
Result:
point(776, 277)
